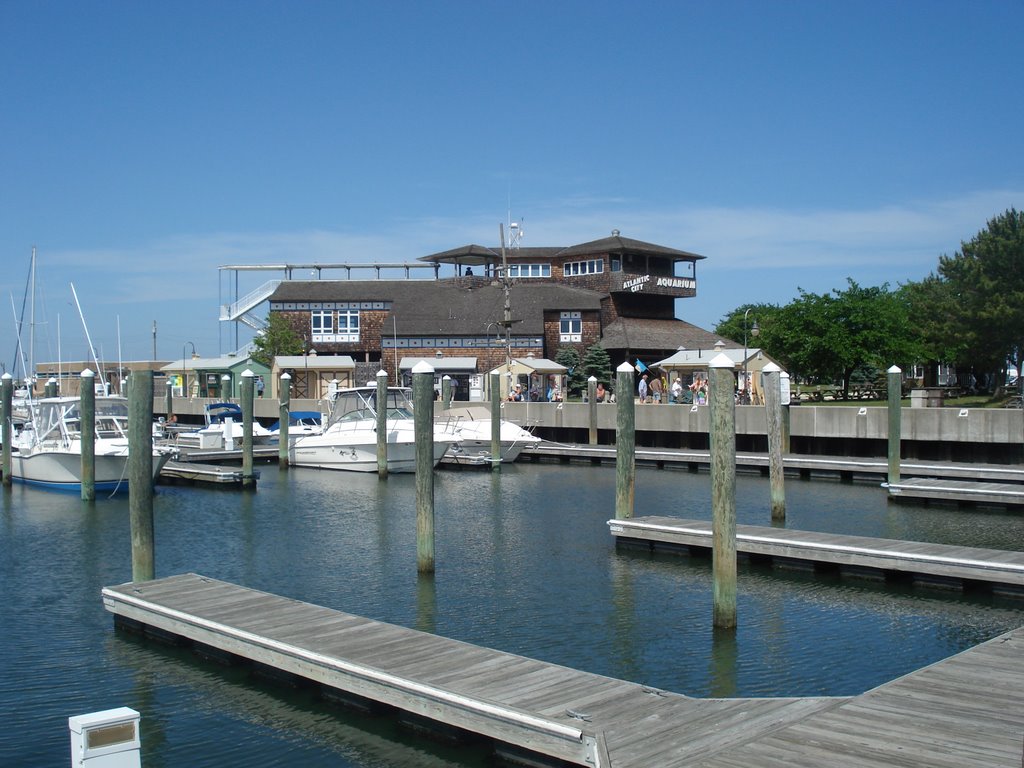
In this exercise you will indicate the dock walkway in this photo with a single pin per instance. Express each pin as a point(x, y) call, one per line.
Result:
point(802, 464)
point(995, 569)
point(967, 710)
point(957, 491)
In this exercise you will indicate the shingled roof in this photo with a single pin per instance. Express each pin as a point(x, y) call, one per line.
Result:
point(446, 308)
point(480, 254)
point(618, 244)
point(635, 333)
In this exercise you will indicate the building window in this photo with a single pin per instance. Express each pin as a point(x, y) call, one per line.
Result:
point(348, 321)
point(325, 330)
point(592, 267)
point(570, 327)
point(323, 322)
point(616, 264)
point(529, 270)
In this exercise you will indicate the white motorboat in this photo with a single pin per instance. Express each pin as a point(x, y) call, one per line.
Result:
point(223, 429)
point(300, 424)
point(472, 428)
point(47, 452)
point(349, 441)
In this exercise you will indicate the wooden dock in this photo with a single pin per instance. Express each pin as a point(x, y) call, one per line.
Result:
point(193, 473)
point(957, 491)
point(994, 569)
point(966, 710)
point(846, 468)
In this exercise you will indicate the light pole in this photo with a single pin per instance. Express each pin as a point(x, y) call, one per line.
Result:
point(184, 378)
point(754, 331)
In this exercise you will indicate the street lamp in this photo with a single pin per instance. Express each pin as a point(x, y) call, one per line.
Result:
point(754, 331)
point(184, 378)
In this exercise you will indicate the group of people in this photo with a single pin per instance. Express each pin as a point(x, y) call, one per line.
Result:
point(652, 388)
point(517, 395)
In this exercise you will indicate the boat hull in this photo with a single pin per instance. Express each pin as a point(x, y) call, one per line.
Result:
point(355, 450)
point(62, 471)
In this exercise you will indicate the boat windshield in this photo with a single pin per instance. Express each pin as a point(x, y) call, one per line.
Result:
point(61, 419)
point(357, 404)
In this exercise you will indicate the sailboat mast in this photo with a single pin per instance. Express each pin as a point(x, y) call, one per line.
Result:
point(31, 373)
point(88, 338)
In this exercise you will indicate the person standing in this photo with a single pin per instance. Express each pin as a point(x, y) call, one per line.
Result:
point(677, 390)
point(656, 390)
point(641, 388)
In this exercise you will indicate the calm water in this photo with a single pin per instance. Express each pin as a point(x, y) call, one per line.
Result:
point(525, 564)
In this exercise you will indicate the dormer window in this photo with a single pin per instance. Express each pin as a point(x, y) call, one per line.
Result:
point(570, 327)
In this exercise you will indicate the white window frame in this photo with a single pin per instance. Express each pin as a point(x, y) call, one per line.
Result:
point(570, 327)
point(321, 328)
point(577, 268)
point(344, 326)
point(529, 270)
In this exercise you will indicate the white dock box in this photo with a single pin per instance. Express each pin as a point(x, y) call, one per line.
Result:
point(210, 439)
point(108, 739)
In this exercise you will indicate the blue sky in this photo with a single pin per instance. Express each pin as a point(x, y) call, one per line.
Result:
point(794, 144)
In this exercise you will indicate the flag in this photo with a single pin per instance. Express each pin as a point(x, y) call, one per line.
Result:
point(640, 366)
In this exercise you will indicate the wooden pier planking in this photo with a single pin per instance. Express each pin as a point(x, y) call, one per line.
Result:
point(509, 698)
point(803, 464)
point(949, 490)
point(999, 568)
point(966, 710)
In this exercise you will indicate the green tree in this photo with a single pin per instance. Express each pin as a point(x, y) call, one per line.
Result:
point(277, 338)
point(597, 363)
point(932, 308)
point(827, 337)
point(986, 278)
point(570, 358)
point(731, 326)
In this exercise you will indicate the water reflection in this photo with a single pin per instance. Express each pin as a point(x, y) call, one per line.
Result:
point(525, 564)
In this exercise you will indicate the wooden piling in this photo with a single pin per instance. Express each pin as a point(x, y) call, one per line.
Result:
point(723, 490)
point(423, 420)
point(169, 402)
point(446, 392)
point(140, 475)
point(495, 421)
point(773, 415)
point(51, 387)
point(248, 404)
point(6, 413)
point(283, 411)
point(87, 432)
point(625, 442)
point(592, 410)
point(382, 424)
point(894, 378)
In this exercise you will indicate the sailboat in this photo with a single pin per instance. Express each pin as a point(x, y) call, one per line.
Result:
point(47, 451)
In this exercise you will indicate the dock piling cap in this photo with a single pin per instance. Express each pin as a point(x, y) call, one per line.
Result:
point(423, 367)
point(721, 361)
point(624, 368)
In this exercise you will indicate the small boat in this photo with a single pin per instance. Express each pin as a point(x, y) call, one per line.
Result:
point(472, 428)
point(223, 429)
point(47, 452)
point(349, 441)
point(300, 424)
